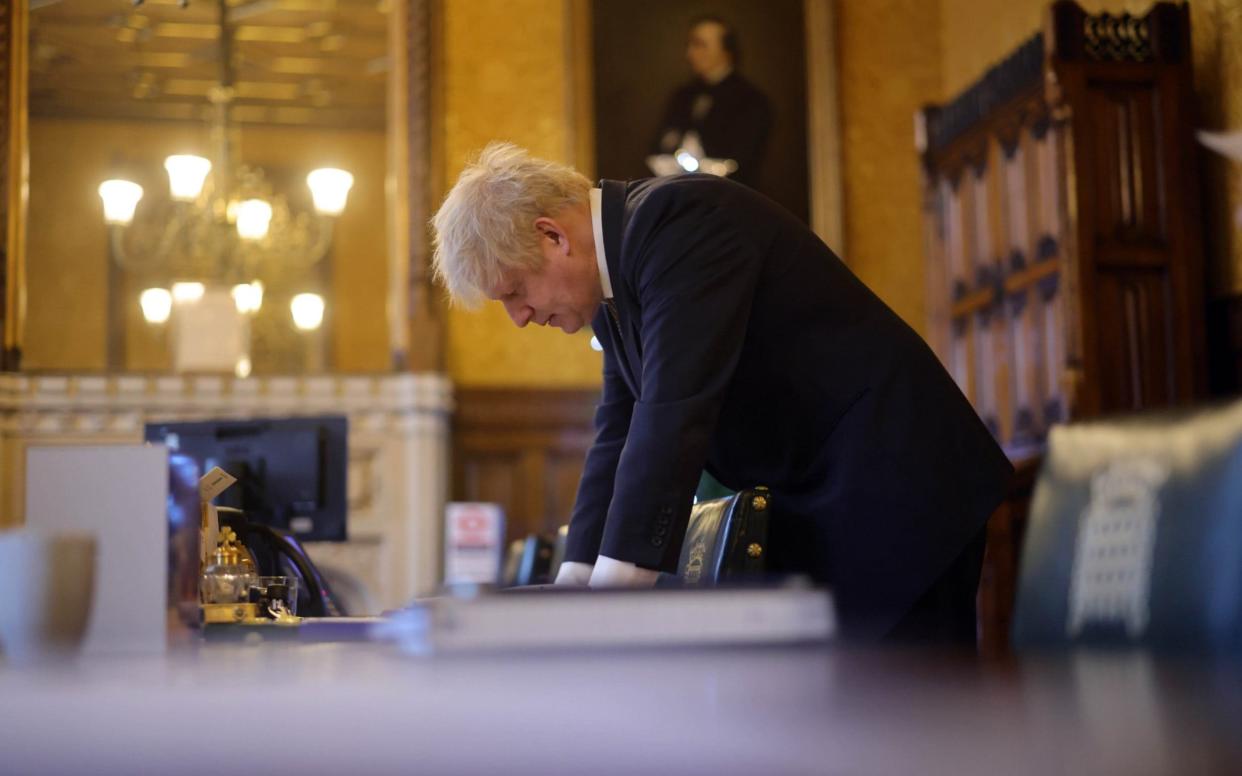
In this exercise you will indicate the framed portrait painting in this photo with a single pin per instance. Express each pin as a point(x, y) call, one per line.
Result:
point(716, 86)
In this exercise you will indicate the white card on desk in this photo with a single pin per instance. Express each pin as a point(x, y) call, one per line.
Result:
point(473, 542)
point(119, 493)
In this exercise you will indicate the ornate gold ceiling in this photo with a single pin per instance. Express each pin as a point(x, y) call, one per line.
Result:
point(297, 62)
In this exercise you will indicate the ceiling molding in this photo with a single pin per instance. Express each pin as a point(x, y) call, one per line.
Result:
point(298, 62)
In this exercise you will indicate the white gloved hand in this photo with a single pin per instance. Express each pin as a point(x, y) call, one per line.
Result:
point(574, 574)
point(618, 573)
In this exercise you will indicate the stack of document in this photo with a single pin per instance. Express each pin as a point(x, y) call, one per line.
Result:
point(584, 619)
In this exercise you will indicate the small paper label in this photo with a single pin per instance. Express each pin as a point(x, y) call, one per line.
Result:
point(473, 539)
point(214, 482)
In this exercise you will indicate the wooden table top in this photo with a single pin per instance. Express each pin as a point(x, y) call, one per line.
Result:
point(366, 708)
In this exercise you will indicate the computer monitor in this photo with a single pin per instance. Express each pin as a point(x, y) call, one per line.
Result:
point(291, 472)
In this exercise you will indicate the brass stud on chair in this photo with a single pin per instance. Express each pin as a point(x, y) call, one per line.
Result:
point(759, 503)
point(754, 550)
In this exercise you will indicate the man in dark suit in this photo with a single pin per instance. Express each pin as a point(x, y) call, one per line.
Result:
point(728, 116)
point(735, 340)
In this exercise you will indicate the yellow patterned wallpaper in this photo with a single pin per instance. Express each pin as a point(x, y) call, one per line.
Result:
point(506, 76)
point(889, 67)
point(66, 308)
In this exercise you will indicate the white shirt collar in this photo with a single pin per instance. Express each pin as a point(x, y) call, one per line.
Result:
point(597, 226)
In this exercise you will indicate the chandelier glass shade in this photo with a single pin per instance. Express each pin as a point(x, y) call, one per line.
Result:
point(186, 176)
point(307, 311)
point(120, 199)
point(204, 230)
point(156, 304)
point(223, 225)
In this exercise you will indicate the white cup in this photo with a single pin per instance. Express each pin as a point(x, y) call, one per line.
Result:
point(46, 584)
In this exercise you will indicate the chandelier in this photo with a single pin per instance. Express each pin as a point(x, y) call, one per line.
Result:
point(222, 223)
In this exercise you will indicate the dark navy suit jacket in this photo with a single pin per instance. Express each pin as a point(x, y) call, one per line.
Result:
point(744, 345)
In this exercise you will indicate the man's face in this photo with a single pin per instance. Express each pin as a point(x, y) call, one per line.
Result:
point(564, 292)
point(705, 49)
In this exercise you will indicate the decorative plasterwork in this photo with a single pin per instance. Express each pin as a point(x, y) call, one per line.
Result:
point(398, 449)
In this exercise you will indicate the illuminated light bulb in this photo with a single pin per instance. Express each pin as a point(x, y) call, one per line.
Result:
point(186, 175)
point(687, 161)
point(120, 198)
point(184, 293)
point(248, 297)
point(243, 367)
point(156, 304)
point(307, 311)
point(329, 189)
point(253, 218)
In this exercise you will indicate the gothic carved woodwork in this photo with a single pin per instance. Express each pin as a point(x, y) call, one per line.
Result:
point(1064, 246)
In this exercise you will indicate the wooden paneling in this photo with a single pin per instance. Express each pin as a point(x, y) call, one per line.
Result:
point(523, 449)
point(1137, 367)
point(1064, 236)
point(1126, 84)
point(998, 579)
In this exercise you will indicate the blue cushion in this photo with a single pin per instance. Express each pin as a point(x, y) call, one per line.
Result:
point(1135, 535)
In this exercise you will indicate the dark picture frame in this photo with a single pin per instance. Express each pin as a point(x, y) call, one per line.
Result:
point(639, 57)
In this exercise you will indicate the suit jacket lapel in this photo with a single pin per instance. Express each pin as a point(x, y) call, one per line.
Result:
point(613, 203)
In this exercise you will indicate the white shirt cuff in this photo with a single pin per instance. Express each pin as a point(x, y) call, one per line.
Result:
point(574, 573)
point(618, 573)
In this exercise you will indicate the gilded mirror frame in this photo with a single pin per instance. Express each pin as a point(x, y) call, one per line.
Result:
point(14, 15)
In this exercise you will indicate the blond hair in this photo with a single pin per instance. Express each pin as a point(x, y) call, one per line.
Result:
point(486, 224)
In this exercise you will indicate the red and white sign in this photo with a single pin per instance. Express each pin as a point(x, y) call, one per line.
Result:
point(473, 543)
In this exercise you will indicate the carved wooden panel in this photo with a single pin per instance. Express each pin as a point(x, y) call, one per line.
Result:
point(998, 577)
point(1122, 129)
point(564, 470)
point(1064, 217)
point(523, 449)
point(1136, 356)
point(1063, 241)
point(495, 476)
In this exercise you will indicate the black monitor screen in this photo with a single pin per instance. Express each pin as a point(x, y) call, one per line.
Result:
point(291, 472)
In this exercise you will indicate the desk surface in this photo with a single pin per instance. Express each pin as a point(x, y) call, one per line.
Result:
point(364, 708)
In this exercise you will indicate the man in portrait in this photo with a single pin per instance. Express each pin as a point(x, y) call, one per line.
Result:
point(718, 115)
